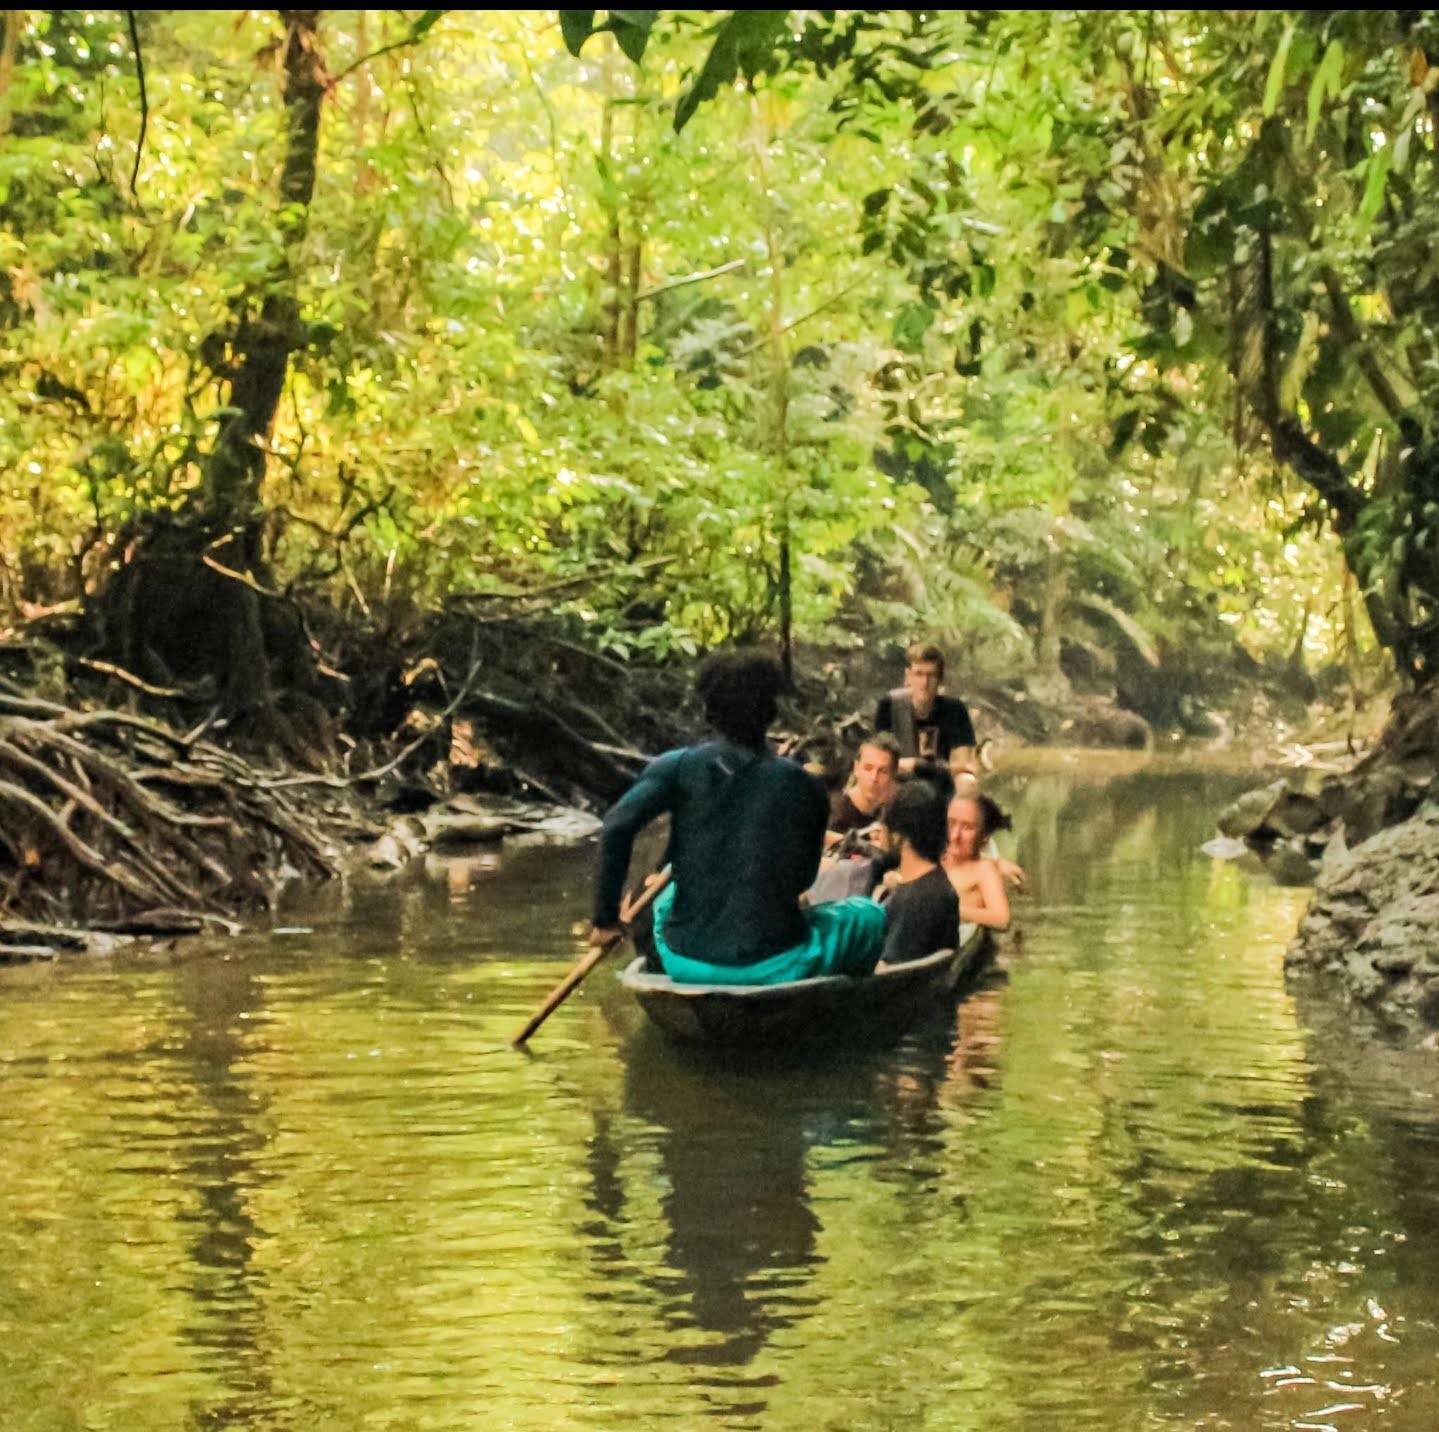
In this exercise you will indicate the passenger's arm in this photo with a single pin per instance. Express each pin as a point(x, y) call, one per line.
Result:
point(896, 934)
point(986, 903)
point(963, 762)
point(1010, 872)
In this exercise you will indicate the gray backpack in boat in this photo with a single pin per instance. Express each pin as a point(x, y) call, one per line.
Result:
point(855, 871)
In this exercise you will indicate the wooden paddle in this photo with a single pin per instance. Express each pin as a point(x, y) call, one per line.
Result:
point(567, 986)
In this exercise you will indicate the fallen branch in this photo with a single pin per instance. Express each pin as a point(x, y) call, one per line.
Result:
point(129, 677)
point(85, 854)
point(24, 954)
point(591, 766)
point(553, 589)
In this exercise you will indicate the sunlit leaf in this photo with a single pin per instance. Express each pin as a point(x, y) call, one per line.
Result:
point(1376, 175)
point(1274, 85)
point(742, 45)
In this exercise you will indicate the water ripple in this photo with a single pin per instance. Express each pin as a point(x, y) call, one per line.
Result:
point(305, 1183)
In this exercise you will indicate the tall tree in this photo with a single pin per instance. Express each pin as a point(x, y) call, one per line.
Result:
point(1304, 144)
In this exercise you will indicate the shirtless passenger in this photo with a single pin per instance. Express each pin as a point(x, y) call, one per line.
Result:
point(967, 784)
point(976, 878)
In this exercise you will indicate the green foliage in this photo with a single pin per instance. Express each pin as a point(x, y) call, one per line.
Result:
point(618, 306)
point(1307, 185)
point(743, 44)
point(631, 29)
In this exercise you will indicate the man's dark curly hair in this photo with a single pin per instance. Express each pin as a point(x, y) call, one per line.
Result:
point(917, 812)
point(740, 691)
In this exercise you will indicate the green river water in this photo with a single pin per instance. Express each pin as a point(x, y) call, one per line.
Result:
point(298, 1181)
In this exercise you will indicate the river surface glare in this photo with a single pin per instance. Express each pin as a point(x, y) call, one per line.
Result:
point(297, 1182)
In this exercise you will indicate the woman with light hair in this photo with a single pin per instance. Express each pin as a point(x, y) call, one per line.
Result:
point(973, 820)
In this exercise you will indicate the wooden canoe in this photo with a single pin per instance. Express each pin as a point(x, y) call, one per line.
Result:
point(814, 1010)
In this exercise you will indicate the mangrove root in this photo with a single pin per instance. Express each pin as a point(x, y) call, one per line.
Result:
point(119, 822)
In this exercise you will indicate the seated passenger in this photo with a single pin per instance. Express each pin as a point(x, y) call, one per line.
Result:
point(975, 877)
point(745, 834)
point(967, 784)
point(871, 784)
point(921, 908)
point(928, 726)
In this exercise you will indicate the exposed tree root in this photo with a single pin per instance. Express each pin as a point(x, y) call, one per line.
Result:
point(91, 831)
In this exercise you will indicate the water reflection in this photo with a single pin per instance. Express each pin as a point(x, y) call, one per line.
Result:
point(740, 1231)
point(973, 1061)
point(302, 1182)
point(220, 1016)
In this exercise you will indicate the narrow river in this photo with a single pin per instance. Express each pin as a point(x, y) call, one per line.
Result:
point(299, 1182)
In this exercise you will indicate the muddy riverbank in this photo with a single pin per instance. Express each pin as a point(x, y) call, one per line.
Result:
point(132, 809)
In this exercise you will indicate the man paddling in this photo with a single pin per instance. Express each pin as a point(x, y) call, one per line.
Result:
point(929, 726)
point(746, 829)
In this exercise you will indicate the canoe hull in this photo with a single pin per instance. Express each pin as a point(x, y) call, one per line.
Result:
point(808, 1011)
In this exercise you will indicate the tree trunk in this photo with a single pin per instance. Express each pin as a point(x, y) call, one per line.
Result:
point(614, 237)
point(263, 344)
point(9, 46)
point(193, 604)
point(1257, 375)
point(1056, 594)
point(629, 302)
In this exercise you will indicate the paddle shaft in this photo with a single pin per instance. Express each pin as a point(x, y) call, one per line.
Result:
point(567, 986)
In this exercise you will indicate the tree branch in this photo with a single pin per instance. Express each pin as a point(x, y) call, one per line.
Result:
point(421, 28)
point(1347, 327)
point(84, 854)
point(144, 101)
point(424, 129)
point(119, 672)
point(794, 323)
point(1319, 468)
point(690, 278)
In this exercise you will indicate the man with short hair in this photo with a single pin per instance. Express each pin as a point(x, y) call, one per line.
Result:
point(872, 783)
point(745, 834)
point(922, 912)
point(928, 725)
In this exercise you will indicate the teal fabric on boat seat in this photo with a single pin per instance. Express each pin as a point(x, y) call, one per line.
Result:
point(844, 937)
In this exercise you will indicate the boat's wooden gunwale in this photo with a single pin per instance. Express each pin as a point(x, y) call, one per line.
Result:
point(803, 1009)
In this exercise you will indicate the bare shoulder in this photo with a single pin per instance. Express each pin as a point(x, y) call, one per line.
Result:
point(964, 874)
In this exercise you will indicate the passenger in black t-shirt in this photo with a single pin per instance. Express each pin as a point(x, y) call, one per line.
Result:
point(927, 725)
point(871, 784)
point(922, 910)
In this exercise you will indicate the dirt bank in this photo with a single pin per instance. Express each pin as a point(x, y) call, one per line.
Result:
point(127, 807)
